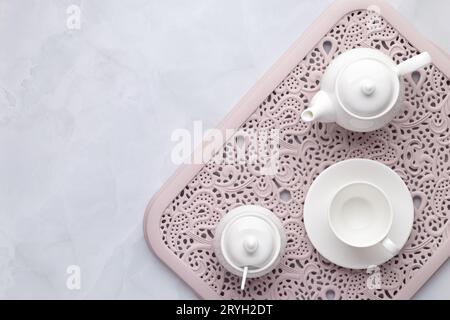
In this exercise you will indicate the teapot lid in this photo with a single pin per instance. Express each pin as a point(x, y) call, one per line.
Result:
point(249, 237)
point(367, 87)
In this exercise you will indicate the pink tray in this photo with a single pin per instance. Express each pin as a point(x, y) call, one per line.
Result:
point(181, 218)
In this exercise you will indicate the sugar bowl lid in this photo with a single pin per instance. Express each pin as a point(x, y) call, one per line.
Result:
point(367, 87)
point(249, 241)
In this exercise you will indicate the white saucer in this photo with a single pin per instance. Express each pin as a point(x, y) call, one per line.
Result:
point(316, 214)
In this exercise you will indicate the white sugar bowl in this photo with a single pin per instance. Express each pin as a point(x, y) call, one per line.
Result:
point(360, 89)
point(249, 241)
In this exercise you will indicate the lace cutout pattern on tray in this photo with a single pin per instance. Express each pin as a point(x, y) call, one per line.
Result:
point(416, 145)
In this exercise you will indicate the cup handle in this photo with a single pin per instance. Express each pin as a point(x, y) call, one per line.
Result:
point(390, 246)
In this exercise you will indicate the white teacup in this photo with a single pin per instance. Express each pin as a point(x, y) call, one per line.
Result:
point(360, 215)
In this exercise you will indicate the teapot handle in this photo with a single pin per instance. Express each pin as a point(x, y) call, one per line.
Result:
point(413, 63)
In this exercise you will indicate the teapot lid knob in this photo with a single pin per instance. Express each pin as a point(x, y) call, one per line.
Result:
point(367, 88)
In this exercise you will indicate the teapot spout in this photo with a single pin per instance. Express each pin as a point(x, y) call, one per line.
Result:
point(413, 64)
point(321, 109)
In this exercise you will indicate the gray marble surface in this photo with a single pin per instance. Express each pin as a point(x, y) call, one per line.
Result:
point(86, 116)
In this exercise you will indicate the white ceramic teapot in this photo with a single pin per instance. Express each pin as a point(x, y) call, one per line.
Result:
point(360, 89)
point(249, 241)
